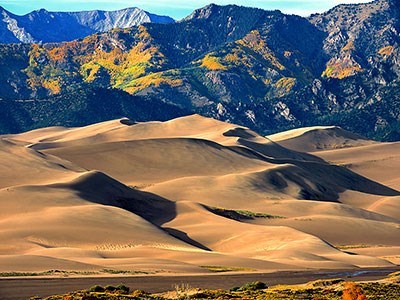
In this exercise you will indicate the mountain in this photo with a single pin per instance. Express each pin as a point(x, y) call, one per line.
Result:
point(80, 107)
point(261, 69)
point(42, 26)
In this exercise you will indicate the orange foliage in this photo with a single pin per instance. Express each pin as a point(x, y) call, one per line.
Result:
point(62, 52)
point(287, 54)
point(342, 68)
point(348, 47)
point(353, 292)
point(57, 53)
point(388, 50)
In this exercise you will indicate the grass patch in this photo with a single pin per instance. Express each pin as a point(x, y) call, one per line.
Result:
point(240, 215)
point(220, 269)
point(123, 272)
point(47, 273)
point(17, 274)
point(68, 273)
point(345, 247)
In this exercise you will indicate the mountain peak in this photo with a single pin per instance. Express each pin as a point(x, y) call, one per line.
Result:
point(42, 26)
point(212, 10)
point(40, 12)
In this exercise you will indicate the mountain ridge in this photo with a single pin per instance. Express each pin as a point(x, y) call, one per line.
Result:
point(38, 25)
point(236, 64)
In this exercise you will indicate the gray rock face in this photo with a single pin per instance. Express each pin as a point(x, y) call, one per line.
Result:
point(42, 26)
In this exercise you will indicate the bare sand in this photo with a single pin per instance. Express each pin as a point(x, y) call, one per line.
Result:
point(142, 198)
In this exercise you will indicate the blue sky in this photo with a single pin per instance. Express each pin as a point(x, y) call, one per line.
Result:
point(174, 8)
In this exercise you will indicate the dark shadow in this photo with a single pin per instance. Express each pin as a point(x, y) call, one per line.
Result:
point(127, 122)
point(239, 132)
point(329, 180)
point(100, 188)
point(180, 235)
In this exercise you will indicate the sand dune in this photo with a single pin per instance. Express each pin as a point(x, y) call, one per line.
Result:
point(156, 160)
point(166, 196)
point(257, 241)
point(379, 162)
point(21, 165)
point(318, 138)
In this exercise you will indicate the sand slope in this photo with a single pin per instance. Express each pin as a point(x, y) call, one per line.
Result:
point(143, 197)
point(317, 138)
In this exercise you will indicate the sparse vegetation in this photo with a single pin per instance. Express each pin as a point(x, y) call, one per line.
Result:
point(285, 85)
point(71, 273)
point(332, 289)
point(240, 215)
point(220, 269)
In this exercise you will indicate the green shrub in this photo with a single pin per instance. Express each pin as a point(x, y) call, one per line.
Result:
point(123, 288)
point(110, 288)
point(97, 289)
point(253, 286)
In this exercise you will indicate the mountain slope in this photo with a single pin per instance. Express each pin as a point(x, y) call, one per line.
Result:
point(237, 64)
point(80, 107)
point(42, 26)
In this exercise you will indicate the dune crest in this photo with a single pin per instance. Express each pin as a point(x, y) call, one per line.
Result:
point(318, 138)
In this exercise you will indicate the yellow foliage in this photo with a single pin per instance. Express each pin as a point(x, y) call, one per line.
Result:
point(212, 63)
point(35, 53)
point(388, 50)
point(285, 85)
point(143, 33)
point(124, 66)
point(254, 41)
point(90, 56)
point(34, 82)
point(348, 47)
point(287, 54)
point(232, 57)
point(89, 71)
point(53, 85)
point(155, 79)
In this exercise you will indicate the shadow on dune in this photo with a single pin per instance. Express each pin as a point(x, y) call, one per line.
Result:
point(318, 179)
point(183, 236)
point(97, 187)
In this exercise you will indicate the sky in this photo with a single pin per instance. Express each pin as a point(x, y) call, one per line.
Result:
point(173, 8)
